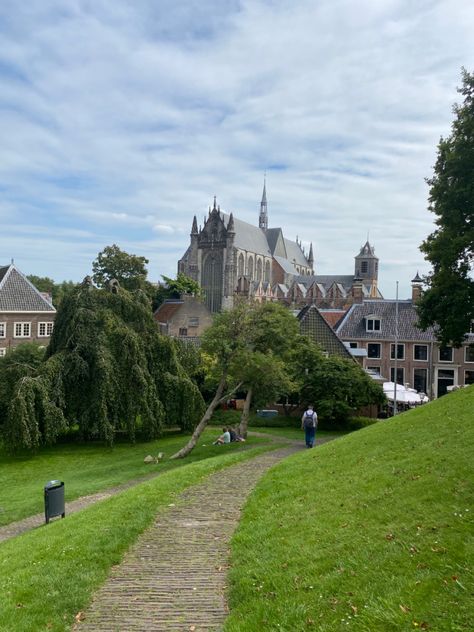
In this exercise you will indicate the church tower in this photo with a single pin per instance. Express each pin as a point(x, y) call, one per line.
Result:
point(367, 268)
point(263, 217)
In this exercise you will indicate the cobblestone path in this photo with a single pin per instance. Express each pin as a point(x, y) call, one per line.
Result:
point(174, 577)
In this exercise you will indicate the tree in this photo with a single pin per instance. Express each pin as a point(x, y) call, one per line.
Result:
point(107, 370)
point(57, 290)
point(338, 387)
point(174, 288)
point(128, 270)
point(448, 302)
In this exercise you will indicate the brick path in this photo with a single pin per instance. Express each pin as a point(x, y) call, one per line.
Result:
point(174, 577)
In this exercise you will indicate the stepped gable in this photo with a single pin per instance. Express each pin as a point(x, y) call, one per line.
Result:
point(315, 326)
point(354, 323)
point(18, 294)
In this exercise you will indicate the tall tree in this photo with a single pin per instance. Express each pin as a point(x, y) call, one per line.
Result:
point(112, 263)
point(449, 300)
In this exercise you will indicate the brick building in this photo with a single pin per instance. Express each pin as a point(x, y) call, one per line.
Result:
point(26, 314)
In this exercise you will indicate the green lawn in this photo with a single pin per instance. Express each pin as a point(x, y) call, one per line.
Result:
point(372, 533)
point(296, 433)
point(86, 469)
point(49, 574)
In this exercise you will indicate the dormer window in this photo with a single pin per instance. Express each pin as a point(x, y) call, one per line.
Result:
point(372, 323)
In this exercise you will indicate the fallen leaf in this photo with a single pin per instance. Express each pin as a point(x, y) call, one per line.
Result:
point(80, 616)
point(192, 628)
point(390, 536)
point(354, 609)
point(405, 609)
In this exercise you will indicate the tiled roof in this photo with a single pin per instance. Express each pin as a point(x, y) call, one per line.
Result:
point(248, 237)
point(332, 316)
point(314, 325)
point(286, 265)
point(17, 294)
point(354, 324)
point(166, 310)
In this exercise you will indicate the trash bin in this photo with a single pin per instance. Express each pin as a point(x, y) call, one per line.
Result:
point(54, 500)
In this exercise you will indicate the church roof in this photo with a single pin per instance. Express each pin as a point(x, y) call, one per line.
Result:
point(273, 237)
point(314, 325)
point(286, 265)
point(248, 237)
point(294, 253)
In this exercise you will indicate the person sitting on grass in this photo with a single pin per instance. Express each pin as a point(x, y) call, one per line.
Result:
point(224, 438)
point(233, 434)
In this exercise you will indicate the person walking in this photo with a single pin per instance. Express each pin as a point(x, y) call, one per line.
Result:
point(309, 423)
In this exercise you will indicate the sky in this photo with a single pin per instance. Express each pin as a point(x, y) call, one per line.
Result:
point(119, 121)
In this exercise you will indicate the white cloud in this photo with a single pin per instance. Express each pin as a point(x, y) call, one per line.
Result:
point(122, 121)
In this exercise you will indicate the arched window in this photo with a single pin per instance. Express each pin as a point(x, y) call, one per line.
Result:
point(250, 268)
point(241, 265)
point(259, 270)
point(267, 271)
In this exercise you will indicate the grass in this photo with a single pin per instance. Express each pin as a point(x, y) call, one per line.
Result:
point(49, 575)
point(296, 433)
point(87, 469)
point(371, 533)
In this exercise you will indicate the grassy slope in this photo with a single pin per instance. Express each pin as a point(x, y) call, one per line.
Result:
point(373, 532)
point(86, 469)
point(48, 575)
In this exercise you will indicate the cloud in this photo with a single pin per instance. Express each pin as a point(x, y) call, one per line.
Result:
point(121, 121)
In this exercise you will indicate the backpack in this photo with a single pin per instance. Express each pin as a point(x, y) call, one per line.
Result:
point(310, 420)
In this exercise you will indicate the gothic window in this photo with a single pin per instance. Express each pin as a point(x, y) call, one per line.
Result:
point(267, 271)
point(259, 270)
point(241, 265)
point(212, 281)
point(364, 267)
point(250, 268)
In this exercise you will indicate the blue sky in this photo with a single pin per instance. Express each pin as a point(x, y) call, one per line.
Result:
point(121, 120)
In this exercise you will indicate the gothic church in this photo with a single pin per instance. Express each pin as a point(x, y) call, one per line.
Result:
point(229, 257)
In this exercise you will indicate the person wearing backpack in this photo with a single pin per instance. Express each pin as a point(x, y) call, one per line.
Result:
point(309, 423)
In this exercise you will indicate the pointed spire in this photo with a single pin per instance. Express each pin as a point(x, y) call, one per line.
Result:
point(310, 256)
point(215, 204)
point(263, 217)
point(230, 225)
point(194, 229)
point(417, 278)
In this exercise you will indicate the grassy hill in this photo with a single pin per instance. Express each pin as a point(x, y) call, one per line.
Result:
point(373, 532)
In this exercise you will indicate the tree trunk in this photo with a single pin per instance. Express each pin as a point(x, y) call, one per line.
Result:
point(218, 398)
point(244, 420)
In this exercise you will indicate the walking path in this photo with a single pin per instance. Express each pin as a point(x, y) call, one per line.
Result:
point(174, 577)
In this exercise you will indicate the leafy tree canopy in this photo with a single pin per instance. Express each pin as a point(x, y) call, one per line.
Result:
point(174, 288)
point(449, 300)
point(57, 290)
point(129, 270)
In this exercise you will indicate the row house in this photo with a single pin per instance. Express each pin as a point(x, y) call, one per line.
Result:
point(26, 314)
point(399, 351)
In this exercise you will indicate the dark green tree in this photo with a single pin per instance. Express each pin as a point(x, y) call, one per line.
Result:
point(336, 386)
point(107, 370)
point(448, 302)
point(129, 270)
point(57, 290)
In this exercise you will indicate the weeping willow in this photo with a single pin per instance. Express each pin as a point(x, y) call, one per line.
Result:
point(107, 370)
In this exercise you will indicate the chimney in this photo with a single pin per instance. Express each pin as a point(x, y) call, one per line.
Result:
point(357, 290)
point(416, 284)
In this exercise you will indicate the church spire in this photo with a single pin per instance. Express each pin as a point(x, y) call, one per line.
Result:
point(310, 255)
point(194, 229)
point(263, 217)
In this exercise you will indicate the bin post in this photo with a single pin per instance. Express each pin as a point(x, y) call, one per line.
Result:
point(54, 500)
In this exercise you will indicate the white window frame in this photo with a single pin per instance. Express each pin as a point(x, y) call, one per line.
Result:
point(3, 352)
point(3, 330)
point(392, 348)
point(24, 325)
point(446, 361)
point(373, 320)
point(418, 359)
point(379, 357)
point(48, 324)
point(466, 349)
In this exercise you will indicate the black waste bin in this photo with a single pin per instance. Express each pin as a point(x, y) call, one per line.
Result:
point(54, 500)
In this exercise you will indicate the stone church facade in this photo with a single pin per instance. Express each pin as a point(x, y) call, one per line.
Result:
point(229, 258)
